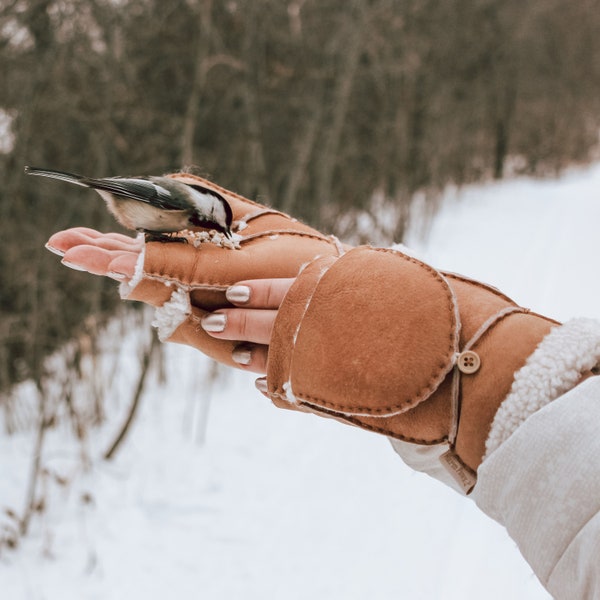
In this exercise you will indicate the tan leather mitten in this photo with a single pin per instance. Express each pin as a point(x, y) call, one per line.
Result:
point(186, 280)
point(383, 341)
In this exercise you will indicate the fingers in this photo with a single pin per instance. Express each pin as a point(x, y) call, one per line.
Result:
point(243, 324)
point(62, 241)
point(259, 293)
point(251, 357)
point(117, 264)
point(253, 327)
point(252, 323)
point(111, 254)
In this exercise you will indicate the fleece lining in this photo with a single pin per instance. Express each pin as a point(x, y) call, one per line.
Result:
point(554, 368)
point(127, 286)
point(169, 316)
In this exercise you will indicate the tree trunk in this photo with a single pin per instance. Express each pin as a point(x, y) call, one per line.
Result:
point(190, 119)
point(349, 44)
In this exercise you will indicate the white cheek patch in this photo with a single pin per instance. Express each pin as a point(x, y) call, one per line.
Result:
point(219, 213)
point(204, 204)
point(209, 207)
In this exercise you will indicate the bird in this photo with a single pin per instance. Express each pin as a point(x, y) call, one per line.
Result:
point(152, 204)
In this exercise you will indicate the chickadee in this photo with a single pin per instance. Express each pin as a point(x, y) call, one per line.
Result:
point(154, 205)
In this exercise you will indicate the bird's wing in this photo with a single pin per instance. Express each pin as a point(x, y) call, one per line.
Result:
point(143, 190)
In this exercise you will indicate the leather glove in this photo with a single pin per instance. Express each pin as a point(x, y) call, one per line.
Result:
point(187, 280)
point(385, 342)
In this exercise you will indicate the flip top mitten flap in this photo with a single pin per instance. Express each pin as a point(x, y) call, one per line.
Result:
point(381, 340)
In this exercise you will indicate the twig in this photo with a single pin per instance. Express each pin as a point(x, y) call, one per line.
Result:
point(36, 465)
point(146, 360)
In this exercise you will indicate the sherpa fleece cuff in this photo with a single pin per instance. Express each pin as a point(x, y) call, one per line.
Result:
point(554, 368)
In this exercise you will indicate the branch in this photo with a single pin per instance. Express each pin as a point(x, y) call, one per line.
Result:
point(145, 368)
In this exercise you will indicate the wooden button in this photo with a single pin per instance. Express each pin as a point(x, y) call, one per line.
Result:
point(468, 362)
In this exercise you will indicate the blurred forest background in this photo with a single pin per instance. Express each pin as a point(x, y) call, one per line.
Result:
point(315, 106)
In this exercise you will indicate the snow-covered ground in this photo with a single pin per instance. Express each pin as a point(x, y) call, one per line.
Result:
point(275, 504)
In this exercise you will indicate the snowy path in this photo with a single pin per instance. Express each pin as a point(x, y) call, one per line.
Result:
point(277, 505)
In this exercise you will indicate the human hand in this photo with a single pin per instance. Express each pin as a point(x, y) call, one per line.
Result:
point(187, 282)
point(115, 255)
point(110, 254)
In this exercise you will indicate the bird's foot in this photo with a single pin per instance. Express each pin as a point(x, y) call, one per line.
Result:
point(156, 236)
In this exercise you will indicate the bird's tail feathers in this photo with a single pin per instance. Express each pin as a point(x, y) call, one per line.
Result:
point(62, 175)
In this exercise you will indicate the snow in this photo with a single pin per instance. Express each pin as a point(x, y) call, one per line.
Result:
point(219, 495)
point(536, 240)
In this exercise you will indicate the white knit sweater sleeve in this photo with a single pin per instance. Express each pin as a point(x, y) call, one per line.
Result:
point(543, 485)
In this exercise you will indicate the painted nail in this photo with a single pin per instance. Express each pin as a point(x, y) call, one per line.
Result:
point(261, 385)
point(242, 355)
point(54, 250)
point(214, 323)
point(238, 294)
point(72, 266)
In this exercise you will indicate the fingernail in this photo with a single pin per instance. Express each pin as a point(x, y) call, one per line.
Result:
point(261, 385)
point(242, 355)
point(117, 276)
point(238, 294)
point(54, 250)
point(72, 266)
point(214, 323)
